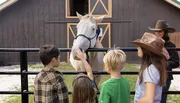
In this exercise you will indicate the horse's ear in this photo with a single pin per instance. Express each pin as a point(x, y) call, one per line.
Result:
point(99, 19)
point(79, 15)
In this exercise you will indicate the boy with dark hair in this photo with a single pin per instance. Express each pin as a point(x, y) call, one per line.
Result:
point(49, 85)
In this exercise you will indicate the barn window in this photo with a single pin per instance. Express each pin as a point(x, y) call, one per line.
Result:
point(81, 6)
point(6, 3)
point(95, 7)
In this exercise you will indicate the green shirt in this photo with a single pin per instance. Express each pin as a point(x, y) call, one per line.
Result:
point(115, 91)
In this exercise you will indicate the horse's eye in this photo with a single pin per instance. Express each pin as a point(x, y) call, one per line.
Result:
point(93, 29)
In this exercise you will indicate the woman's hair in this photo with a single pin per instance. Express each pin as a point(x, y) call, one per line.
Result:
point(83, 90)
point(166, 36)
point(158, 61)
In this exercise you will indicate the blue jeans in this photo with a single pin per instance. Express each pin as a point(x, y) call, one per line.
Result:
point(165, 88)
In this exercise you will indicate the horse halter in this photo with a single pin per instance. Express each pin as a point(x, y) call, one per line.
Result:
point(88, 38)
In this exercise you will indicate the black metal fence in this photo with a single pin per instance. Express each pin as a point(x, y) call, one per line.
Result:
point(24, 69)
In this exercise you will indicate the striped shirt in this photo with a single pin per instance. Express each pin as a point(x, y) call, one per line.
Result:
point(49, 87)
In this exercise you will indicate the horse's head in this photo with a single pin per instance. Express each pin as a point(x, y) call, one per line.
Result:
point(86, 32)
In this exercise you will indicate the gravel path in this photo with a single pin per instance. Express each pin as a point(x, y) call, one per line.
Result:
point(11, 82)
point(176, 81)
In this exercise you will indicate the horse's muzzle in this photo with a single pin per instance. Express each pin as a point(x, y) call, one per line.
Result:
point(74, 53)
point(75, 57)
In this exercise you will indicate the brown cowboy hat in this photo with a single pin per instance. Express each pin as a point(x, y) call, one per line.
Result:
point(152, 43)
point(162, 25)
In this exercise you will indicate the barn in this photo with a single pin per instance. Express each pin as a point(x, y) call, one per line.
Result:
point(32, 23)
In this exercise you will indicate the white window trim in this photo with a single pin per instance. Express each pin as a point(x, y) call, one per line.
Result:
point(6, 4)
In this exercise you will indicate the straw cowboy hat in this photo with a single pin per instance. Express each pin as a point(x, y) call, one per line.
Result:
point(152, 43)
point(162, 25)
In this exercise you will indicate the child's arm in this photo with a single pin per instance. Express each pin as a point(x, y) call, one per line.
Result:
point(150, 92)
point(88, 68)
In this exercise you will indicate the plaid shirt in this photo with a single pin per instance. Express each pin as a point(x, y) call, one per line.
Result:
point(49, 87)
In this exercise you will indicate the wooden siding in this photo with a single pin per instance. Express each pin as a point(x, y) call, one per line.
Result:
point(175, 38)
point(23, 25)
point(32, 23)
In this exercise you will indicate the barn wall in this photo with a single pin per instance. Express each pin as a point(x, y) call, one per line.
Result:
point(23, 25)
point(28, 24)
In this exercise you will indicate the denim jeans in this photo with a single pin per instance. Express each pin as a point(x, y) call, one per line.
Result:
point(165, 88)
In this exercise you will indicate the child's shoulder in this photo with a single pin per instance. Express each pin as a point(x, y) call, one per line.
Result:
point(106, 82)
point(112, 82)
point(46, 76)
point(152, 69)
point(124, 79)
point(121, 80)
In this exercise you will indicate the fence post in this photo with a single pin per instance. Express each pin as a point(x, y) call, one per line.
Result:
point(24, 77)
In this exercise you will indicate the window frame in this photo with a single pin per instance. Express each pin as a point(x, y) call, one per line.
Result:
point(7, 4)
point(173, 2)
point(108, 9)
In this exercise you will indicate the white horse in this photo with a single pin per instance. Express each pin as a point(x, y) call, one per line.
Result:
point(87, 38)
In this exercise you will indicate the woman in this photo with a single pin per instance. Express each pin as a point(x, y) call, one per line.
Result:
point(152, 75)
point(161, 30)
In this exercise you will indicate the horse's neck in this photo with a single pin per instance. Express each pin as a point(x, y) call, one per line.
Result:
point(98, 44)
point(93, 55)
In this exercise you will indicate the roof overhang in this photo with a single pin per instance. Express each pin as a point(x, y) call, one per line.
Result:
point(176, 3)
point(6, 4)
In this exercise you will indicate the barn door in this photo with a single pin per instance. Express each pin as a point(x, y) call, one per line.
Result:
point(100, 7)
point(96, 8)
point(106, 34)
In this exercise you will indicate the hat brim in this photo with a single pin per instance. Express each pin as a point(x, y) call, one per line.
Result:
point(170, 30)
point(152, 49)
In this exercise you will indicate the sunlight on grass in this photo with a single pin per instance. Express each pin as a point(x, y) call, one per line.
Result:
point(13, 99)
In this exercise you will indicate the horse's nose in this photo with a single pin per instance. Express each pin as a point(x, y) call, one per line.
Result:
point(74, 51)
point(81, 49)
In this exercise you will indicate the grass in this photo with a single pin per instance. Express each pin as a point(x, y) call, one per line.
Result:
point(69, 78)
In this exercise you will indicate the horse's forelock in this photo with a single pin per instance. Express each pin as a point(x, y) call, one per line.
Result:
point(89, 17)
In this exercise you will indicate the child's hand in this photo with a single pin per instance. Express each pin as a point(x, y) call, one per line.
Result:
point(80, 54)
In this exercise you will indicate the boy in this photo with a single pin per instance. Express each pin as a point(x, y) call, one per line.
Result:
point(49, 86)
point(116, 89)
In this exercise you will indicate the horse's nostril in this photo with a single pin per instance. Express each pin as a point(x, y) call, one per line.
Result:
point(81, 49)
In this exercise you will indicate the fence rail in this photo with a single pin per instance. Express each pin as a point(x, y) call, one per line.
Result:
point(73, 73)
point(24, 69)
point(126, 49)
